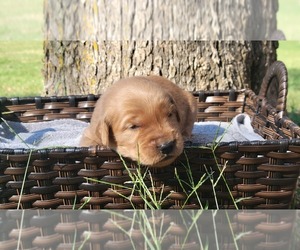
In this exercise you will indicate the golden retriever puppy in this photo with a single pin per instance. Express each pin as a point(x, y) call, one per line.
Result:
point(145, 119)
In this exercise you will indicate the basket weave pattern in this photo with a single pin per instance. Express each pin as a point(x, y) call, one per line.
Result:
point(263, 174)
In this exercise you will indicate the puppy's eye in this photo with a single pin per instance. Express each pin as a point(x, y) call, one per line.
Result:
point(170, 115)
point(133, 127)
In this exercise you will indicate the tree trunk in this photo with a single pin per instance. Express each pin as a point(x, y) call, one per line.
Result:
point(90, 44)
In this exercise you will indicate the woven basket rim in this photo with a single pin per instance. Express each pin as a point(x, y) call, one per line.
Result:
point(96, 149)
point(54, 98)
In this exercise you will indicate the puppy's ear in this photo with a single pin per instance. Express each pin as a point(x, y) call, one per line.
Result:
point(175, 108)
point(177, 114)
point(104, 132)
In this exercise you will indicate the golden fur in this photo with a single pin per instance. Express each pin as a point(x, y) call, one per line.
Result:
point(143, 118)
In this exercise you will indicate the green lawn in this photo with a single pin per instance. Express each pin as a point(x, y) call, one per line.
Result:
point(288, 19)
point(21, 68)
point(289, 53)
point(21, 47)
point(21, 20)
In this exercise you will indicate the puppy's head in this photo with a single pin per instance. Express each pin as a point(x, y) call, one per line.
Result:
point(141, 122)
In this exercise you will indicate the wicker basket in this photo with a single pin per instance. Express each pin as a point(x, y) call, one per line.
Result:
point(260, 174)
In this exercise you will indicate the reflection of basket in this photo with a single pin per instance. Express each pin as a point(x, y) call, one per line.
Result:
point(262, 173)
point(148, 229)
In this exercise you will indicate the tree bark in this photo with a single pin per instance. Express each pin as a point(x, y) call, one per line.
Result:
point(91, 44)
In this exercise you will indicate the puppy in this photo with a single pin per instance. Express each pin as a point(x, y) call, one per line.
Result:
point(145, 119)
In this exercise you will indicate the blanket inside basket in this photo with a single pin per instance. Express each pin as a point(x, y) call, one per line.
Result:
point(67, 133)
point(239, 129)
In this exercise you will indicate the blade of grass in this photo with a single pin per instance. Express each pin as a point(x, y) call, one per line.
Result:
point(195, 219)
point(212, 184)
point(142, 188)
point(85, 203)
point(16, 134)
point(87, 236)
point(74, 240)
point(74, 203)
point(19, 243)
point(126, 232)
point(190, 183)
point(28, 161)
point(116, 185)
point(24, 179)
point(214, 212)
point(194, 188)
point(231, 231)
point(213, 149)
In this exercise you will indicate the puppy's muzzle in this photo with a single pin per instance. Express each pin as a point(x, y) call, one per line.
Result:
point(167, 148)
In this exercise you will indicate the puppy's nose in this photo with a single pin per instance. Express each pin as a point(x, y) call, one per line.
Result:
point(167, 147)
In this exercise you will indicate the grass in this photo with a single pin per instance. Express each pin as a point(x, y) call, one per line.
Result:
point(21, 48)
point(154, 198)
point(21, 20)
point(288, 19)
point(21, 68)
point(289, 53)
point(154, 233)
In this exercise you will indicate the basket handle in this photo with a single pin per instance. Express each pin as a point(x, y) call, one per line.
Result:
point(275, 86)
